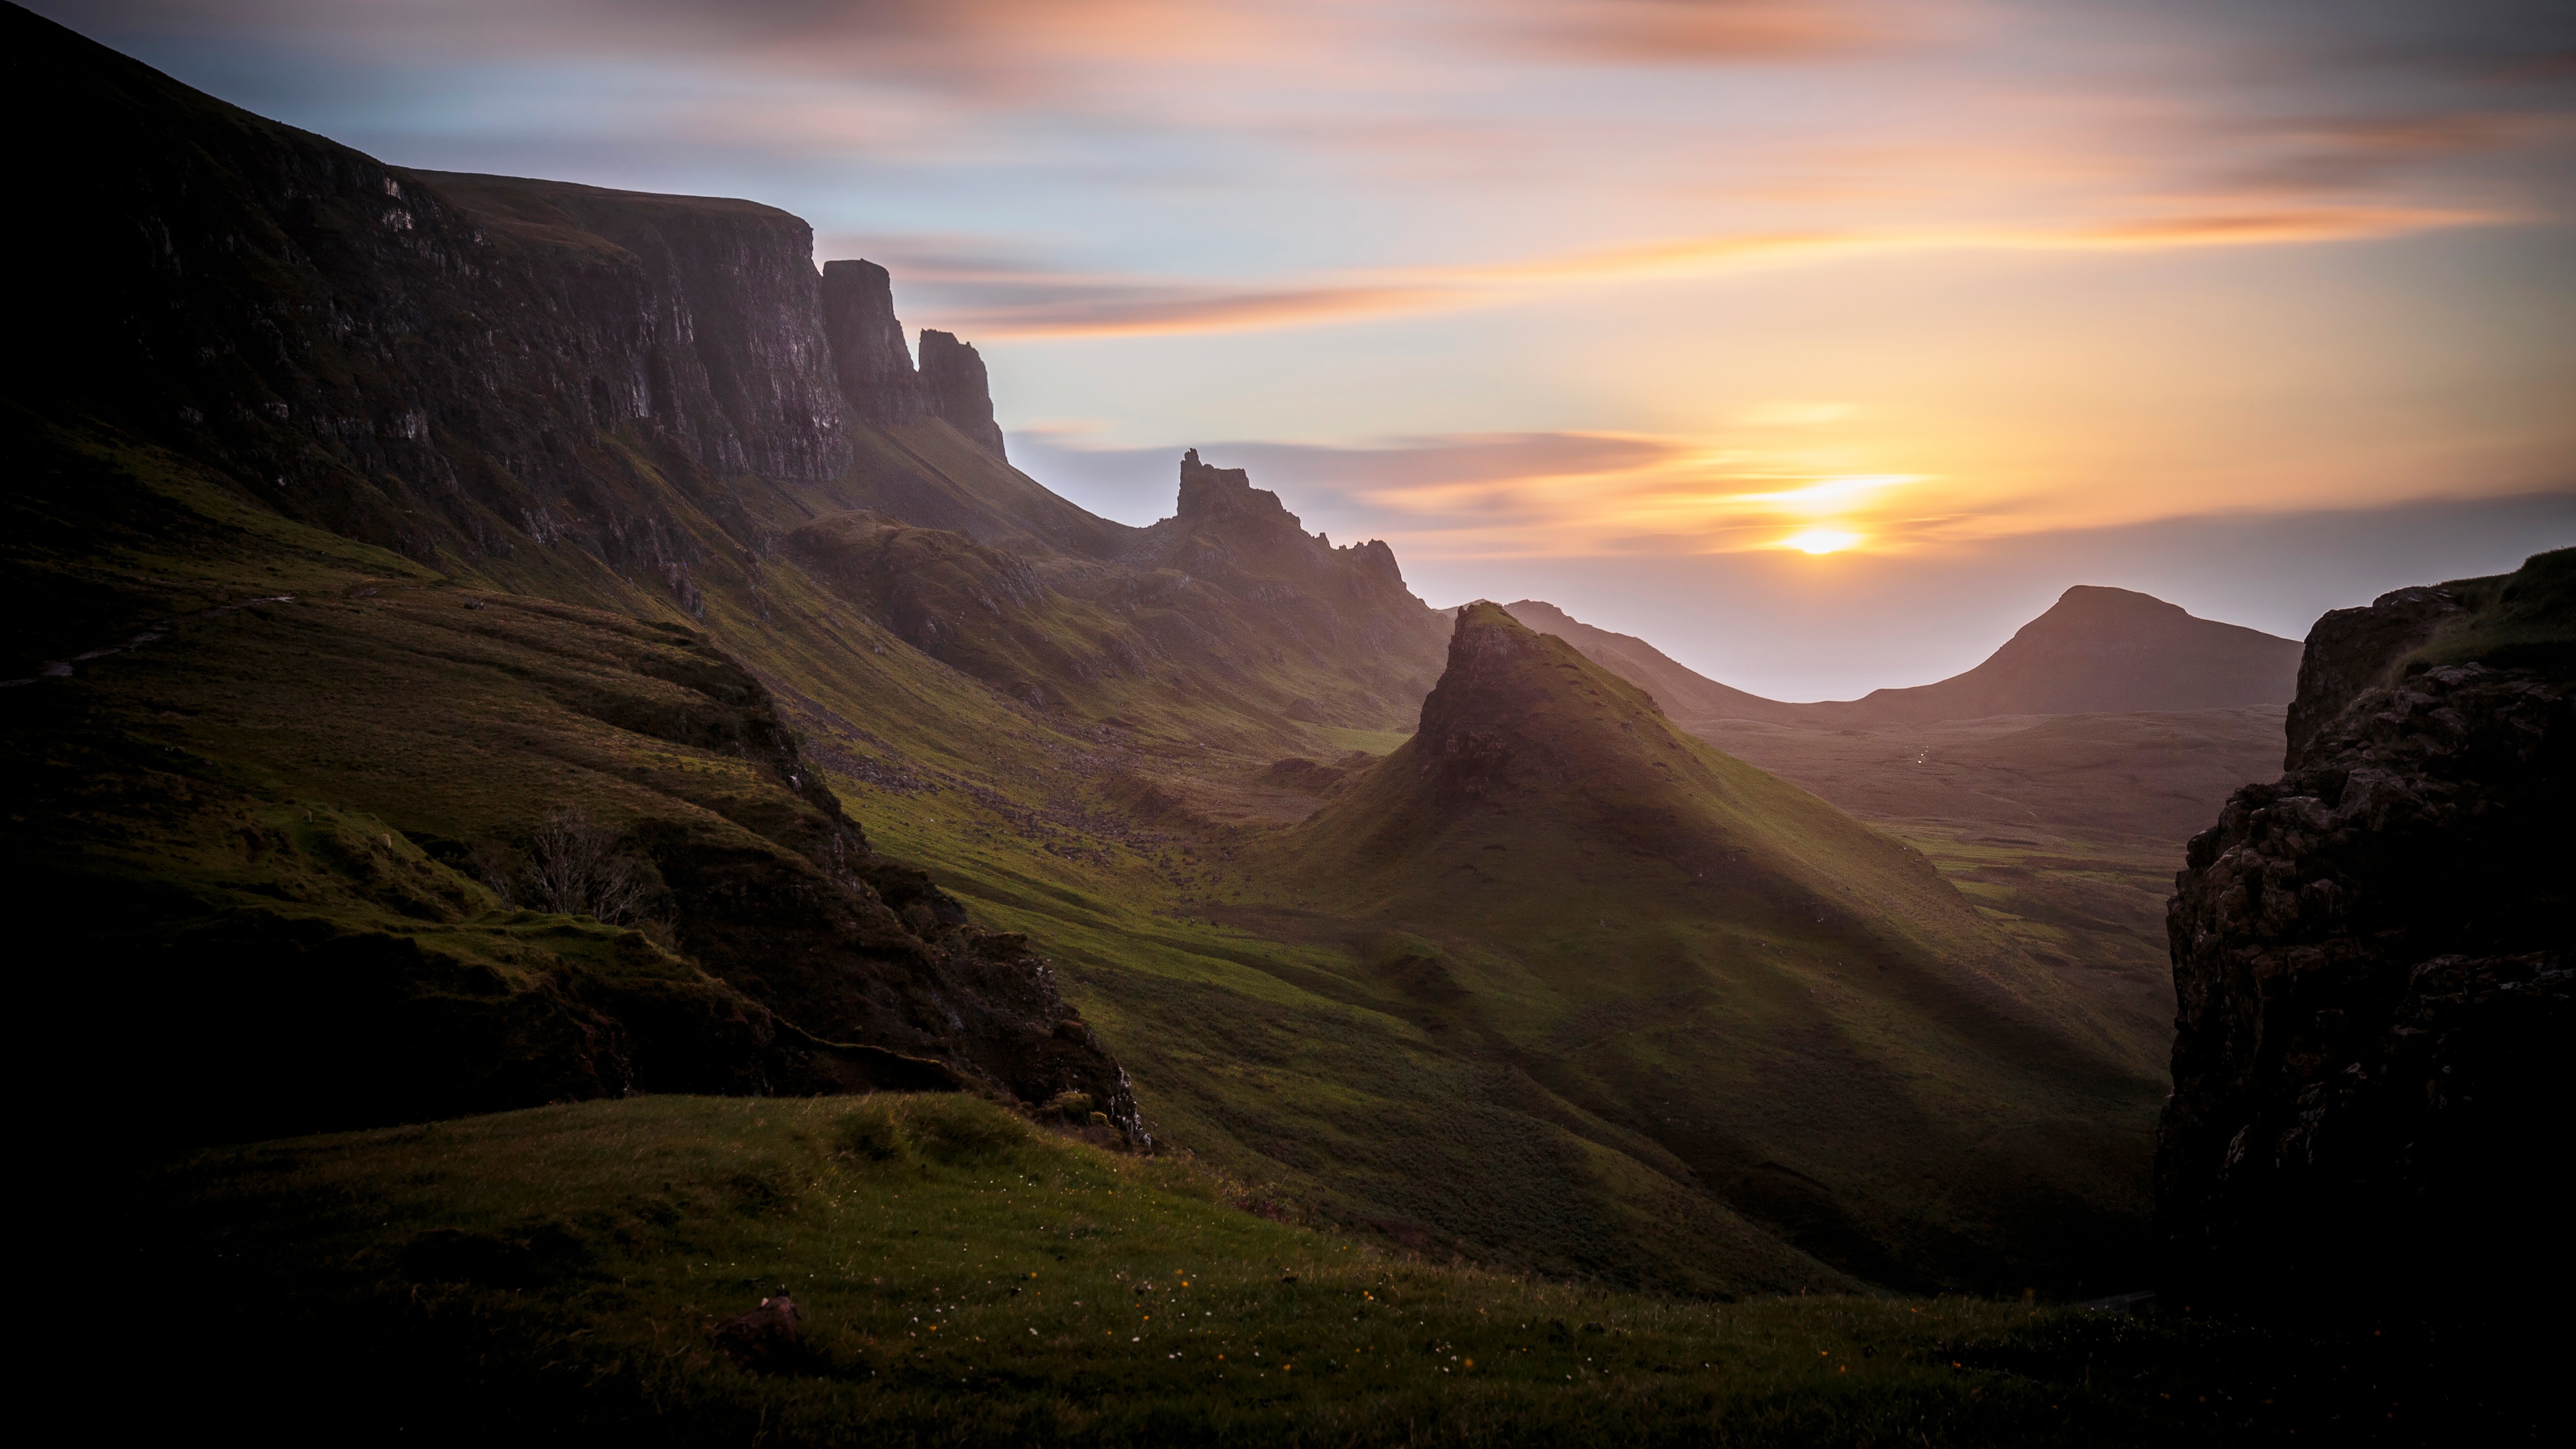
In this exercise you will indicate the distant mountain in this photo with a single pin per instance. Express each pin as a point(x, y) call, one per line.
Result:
point(2096, 651)
point(1684, 693)
point(2107, 651)
point(1226, 609)
point(1741, 975)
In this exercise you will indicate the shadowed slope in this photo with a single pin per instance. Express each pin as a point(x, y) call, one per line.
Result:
point(1792, 1005)
point(2102, 651)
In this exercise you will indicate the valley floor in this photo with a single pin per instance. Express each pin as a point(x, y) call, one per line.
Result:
point(968, 1279)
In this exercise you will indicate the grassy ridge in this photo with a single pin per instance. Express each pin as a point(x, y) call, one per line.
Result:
point(1787, 1007)
point(968, 1280)
point(1289, 1046)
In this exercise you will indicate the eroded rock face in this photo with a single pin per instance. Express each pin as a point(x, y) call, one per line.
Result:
point(952, 378)
point(877, 381)
point(2372, 960)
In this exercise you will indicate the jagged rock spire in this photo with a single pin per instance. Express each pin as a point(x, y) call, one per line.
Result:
point(868, 355)
point(877, 377)
point(953, 380)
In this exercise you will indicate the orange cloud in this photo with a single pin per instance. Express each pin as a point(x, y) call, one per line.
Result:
point(1138, 310)
point(998, 303)
point(1688, 32)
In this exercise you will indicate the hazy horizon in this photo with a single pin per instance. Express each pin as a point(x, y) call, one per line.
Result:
point(2264, 312)
point(1799, 628)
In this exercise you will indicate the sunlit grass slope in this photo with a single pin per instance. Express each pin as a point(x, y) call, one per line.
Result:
point(1315, 1053)
point(967, 1280)
point(1797, 1013)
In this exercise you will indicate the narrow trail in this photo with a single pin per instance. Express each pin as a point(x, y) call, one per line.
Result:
point(150, 633)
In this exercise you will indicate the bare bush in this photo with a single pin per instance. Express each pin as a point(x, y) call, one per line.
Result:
point(574, 866)
point(577, 869)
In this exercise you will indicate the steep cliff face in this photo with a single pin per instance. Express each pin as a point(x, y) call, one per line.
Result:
point(952, 377)
point(2372, 961)
point(568, 391)
point(425, 362)
point(878, 384)
point(727, 351)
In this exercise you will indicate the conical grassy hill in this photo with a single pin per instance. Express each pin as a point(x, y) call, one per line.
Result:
point(1796, 1008)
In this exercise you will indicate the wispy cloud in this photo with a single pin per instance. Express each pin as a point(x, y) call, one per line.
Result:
point(999, 300)
point(1696, 32)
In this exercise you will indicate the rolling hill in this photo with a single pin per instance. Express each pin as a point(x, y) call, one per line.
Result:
point(326, 613)
point(1803, 1018)
point(2063, 816)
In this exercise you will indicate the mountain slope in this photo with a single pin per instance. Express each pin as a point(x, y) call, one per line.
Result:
point(1794, 1008)
point(2100, 651)
point(2095, 651)
point(1683, 693)
point(277, 367)
point(365, 846)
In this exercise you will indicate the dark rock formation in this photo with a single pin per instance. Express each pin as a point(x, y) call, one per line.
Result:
point(765, 1339)
point(877, 381)
point(1256, 578)
point(952, 378)
point(417, 361)
point(726, 350)
point(2372, 959)
point(472, 368)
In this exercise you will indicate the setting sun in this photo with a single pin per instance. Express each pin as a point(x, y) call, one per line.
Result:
point(1820, 540)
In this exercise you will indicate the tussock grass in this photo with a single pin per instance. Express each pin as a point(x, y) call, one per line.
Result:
point(968, 1279)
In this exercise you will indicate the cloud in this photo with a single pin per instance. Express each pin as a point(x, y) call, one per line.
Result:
point(1697, 32)
point(1502, 495)
point(1000, 299)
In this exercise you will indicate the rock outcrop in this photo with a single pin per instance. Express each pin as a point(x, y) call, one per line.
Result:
point(952, 379)
point(432, 360)
point(2372, 956)
point(877, 381)
point(564, 388)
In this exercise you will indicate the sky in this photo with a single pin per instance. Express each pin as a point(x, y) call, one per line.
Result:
point(1820, 342)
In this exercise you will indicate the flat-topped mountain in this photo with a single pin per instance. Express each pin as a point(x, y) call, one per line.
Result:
point(2096, 651)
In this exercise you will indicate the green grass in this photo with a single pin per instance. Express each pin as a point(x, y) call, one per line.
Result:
point(968, 1279)
point(1374, 742)
point(1513, 1123)
point(1754, 992)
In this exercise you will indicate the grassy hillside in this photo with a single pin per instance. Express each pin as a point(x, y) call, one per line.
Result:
point(966, 1280)
point(297, 837)
point(265, 833)
point(1792, 1013)
point(2064, 832)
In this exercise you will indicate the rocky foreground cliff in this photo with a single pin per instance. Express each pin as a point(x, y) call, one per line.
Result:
point(2372, 956)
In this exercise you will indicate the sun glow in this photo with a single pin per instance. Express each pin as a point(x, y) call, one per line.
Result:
point(1820, 540)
